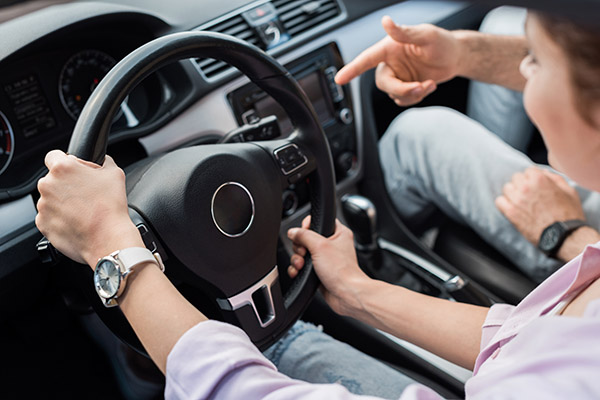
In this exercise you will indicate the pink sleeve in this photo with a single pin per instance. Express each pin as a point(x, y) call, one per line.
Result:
point(217, 361)
point(495, 318)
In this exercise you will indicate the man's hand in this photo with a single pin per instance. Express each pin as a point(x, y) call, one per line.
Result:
point(83, 208)
point(334, 260)
point(410, 61)
point(536, 198)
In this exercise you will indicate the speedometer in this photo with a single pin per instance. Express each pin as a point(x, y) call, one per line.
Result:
point(80, 76)
point(7, 143)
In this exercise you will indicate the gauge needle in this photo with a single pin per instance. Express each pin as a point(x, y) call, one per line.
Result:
point(132, 120)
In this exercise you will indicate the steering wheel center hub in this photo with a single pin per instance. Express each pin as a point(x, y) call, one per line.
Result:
point(232, 209)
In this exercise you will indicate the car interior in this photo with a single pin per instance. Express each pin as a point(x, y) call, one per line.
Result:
point(191, 104)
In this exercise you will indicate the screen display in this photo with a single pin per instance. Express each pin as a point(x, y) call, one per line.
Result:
point(313, 88)
point(30, 106)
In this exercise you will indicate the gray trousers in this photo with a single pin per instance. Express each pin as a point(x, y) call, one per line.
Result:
point(439, 158)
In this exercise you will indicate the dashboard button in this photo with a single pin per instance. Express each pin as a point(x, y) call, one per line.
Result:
point(345, 115)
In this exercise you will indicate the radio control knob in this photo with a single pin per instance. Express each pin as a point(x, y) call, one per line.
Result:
point(345, 115)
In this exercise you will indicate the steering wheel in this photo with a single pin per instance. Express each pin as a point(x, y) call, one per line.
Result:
point(214, 211)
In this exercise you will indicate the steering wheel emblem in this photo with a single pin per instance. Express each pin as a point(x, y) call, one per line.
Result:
point(232, 209)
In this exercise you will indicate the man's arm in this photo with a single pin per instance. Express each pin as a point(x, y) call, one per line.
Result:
point(449, 329)
point(575, 243)
point(492, 58)
point(412, 60)
point(536, 198)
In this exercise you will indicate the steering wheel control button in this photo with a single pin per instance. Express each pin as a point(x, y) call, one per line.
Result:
point(232, 209)
point(290, 158)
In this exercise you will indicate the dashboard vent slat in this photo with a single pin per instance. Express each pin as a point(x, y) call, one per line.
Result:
point(296, 16)
point(299, 16)
point(234, 26)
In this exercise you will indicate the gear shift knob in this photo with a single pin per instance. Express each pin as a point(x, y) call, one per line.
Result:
point(361, 217)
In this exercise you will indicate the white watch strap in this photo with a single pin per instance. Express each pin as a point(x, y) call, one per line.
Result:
point(133, 256)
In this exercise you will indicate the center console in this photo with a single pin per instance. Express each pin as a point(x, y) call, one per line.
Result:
point(315, 73)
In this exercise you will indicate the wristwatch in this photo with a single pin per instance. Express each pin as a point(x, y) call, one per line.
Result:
point(555, 234)
point(110, 275)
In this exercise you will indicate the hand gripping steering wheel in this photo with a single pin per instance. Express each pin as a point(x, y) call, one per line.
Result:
point(216, 209)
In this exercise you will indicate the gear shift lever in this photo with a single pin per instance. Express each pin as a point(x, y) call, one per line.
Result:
point(361, 217)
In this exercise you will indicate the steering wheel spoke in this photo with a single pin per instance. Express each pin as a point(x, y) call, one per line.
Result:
point(148, 236)
point(215, 211)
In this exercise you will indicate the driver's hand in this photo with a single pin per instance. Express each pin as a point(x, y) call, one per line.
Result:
point(334, 260)
point(82, 208)
point(410, 61)
point(536, 198)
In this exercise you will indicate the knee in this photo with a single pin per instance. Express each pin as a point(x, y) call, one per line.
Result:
point(418, 129)
point(505, 20)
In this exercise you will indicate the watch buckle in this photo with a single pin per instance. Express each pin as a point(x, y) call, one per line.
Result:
point(158, 258)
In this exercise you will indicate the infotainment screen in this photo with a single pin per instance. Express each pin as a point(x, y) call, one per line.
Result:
point(312, 85)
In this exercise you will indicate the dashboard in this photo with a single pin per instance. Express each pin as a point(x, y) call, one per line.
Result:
point(52, 59)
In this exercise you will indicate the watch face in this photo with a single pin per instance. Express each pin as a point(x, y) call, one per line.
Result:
point(107, 278)
point(550, 238)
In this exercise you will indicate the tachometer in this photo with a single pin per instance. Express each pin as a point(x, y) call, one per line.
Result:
point(7, 143)
point(80, 76)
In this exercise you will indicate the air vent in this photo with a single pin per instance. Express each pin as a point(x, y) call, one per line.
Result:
point(234, 26)
point(299, 16)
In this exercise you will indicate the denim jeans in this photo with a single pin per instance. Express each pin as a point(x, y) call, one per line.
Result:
point(308, 354)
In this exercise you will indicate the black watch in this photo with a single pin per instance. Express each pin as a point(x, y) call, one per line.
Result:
point(555, 234)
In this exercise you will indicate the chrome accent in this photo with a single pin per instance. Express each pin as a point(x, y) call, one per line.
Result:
point(277, 49)
point(245, 298)
point(231, 14)
point(368, 207)
point(454, 283)
point(364, 204)
point(425, 265)
point(346, 116)
point(130, 117)
point(12, 141)
point(212, 209)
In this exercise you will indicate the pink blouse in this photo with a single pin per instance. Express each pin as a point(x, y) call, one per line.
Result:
point(525, 354)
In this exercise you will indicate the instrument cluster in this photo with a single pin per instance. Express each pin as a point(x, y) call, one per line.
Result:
point(41, 97)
